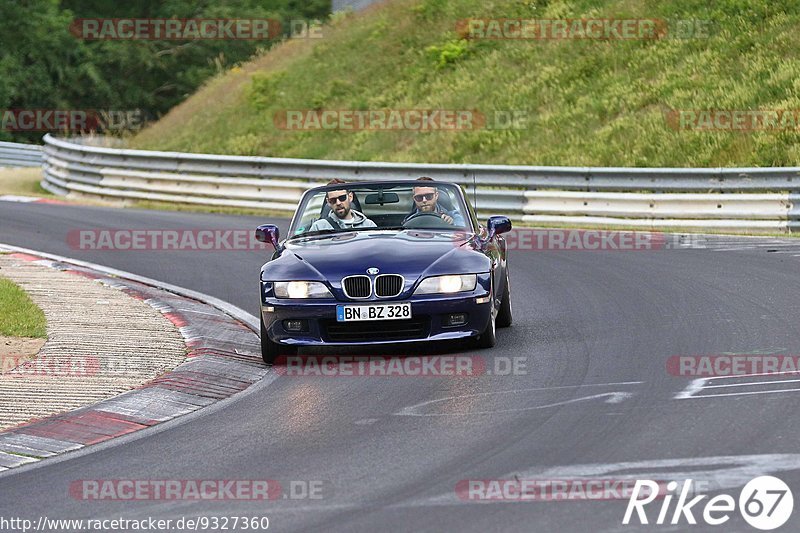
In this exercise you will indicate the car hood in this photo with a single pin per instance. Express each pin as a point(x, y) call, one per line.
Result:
point(410, 253)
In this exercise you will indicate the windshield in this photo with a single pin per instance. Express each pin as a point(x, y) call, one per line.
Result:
point(418, 204)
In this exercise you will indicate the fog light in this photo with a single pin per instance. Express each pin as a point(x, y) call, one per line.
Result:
point(295, 325)
point(455, 319)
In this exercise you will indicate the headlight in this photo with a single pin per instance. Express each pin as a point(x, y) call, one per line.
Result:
point(447, 284)
point(301, 289)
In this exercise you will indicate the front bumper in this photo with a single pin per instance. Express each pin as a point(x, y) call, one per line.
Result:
point(426, 323)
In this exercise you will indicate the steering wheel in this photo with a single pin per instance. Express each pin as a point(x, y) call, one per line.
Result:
point(426, 221)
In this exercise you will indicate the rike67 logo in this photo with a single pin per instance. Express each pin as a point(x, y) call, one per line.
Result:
point(765, 503)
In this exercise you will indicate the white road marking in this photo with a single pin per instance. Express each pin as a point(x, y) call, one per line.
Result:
point(750, 383)
point(700, 384)
point(748, 393)
point(694, 386)
point(21, 199)
point(722, 472)
point(613, 397)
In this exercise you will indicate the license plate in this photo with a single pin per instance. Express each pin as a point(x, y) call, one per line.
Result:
point(355, 313)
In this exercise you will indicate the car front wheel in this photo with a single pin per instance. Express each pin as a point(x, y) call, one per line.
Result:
point(504, 317)
point(488, 338)
point(270, 351)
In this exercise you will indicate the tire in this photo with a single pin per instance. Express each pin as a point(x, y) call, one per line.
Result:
point(504, 315)
point(270, 351)
point(488, 338)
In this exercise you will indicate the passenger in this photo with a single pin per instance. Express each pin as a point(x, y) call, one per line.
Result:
point(426, 200)
point(342, 216)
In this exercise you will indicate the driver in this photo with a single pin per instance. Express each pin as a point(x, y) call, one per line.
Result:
point(426, 200)
point(342, 216)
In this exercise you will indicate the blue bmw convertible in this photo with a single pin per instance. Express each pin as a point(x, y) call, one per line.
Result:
point(383, 263)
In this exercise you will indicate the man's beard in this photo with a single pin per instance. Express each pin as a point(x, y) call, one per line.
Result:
point(345, 212)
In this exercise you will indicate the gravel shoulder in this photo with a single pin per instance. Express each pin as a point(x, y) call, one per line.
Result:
point(101, 342)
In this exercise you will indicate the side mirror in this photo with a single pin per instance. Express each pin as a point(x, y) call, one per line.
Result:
point(498, 224)
point(268, 233)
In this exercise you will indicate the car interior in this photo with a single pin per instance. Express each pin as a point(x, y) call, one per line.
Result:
point(387, 208)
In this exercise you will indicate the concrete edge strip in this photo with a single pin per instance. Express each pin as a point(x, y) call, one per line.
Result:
point(30, 199)
point(220, 364)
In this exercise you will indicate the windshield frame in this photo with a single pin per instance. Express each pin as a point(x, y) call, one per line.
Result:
point(463, 206)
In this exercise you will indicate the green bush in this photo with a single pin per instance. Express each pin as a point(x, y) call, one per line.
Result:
point(449, 52)
point(263, 90)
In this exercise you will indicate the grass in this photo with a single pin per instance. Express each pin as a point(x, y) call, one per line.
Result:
point(22, 182)
point(584, 102)
point(19, 316)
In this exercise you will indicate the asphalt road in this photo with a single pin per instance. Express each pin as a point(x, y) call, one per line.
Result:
point(594, 330)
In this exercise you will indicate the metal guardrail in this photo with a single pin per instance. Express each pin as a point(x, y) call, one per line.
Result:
point(749, 199)
point(20, 155)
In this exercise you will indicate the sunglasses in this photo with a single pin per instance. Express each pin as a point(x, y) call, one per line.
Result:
point(427, 196)
point(335, 199)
